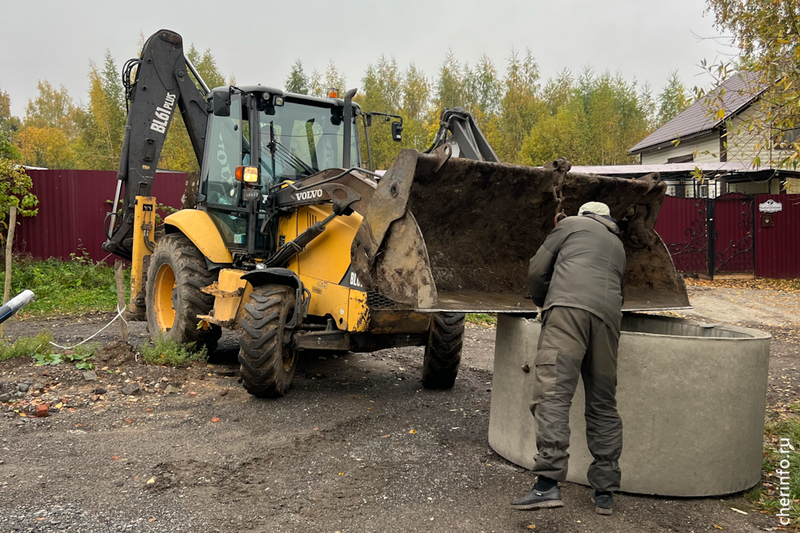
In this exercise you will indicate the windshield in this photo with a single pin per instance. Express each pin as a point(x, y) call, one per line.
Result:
point(298, 140)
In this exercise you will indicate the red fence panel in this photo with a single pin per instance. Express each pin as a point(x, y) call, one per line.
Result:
point(682, 226)
point(72, 207)
point(778, 237)
point(733, 234)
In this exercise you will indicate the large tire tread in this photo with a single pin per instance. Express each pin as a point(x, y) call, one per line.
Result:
point(191, 275)
point(262, 344)
point(443, 352)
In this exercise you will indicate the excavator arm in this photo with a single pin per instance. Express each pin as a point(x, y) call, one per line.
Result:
point(161, 85)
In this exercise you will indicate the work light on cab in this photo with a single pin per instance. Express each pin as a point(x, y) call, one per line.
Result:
point(247, 174)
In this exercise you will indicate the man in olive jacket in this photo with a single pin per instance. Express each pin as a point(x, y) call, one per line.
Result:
point(575, 280)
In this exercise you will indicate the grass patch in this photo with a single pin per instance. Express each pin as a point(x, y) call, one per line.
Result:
point(482, 319)
point(781, 424)
point(76, 286)
point(26, 346)
point(165, 351)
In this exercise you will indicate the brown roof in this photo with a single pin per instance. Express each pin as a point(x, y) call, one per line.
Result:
point(736, 93)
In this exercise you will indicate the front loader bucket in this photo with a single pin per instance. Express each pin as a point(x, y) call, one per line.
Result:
point(450, 234)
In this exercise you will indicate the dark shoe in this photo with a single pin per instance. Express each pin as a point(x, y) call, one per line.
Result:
point(603, 502)
point(537, 499)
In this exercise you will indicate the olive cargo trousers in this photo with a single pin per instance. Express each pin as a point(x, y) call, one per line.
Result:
point(576, 343)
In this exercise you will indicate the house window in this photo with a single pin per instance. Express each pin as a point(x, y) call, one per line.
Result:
point(688, 158)
point(784, 139)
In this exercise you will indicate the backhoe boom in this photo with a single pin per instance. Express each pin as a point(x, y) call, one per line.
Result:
point(162, 84)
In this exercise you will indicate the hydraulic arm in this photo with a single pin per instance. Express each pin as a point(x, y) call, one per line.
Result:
point(162, 84)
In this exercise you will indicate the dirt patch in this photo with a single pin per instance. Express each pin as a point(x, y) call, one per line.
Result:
point(115, 353)
point(356, 446)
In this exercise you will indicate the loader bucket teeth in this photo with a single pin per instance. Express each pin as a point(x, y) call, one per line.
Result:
point(476, 224)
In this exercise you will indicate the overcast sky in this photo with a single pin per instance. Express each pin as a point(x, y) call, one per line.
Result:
point(258, 41)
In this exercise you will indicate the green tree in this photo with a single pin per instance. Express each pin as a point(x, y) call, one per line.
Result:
point(483, 88)
point(450, 86)
point(46, 147)
point(315, 87)
point(672, 100)
point(52, 108)
point(767, 34)
point(297, 81)
point(9, 124)
point(416, 91)
point(15, 189)
point(335, 80)
point(206, 65)
point(520, 106)
point(178, 153)
point(591, 121)
point(102, 123)
point(561, 134)
point(382, 92)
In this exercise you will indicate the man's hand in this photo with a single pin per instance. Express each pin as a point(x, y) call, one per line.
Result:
point(538, 314)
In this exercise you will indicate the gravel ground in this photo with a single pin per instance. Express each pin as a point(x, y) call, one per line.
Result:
point(356, 446)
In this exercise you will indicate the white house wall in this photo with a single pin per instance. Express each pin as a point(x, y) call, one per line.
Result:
point(705, 149)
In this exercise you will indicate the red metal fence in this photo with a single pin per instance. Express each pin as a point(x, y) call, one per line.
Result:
point(72, 207)
point(778, 237)
point(731, 234)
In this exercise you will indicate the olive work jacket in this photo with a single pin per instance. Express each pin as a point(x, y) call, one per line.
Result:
point(581, 264)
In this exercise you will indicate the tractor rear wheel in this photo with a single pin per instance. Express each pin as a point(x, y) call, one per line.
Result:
point(443, 352)
point(268, 361)
point(176, 275)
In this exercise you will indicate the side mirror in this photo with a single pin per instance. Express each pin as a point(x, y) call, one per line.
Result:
point(221, 104)
point(397, 131)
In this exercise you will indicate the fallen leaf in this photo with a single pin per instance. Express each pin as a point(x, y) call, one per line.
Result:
point(530, 526)
point(716, 526)
point(115, 457)
point(738, 510)
point(413, 431)
point(59, 405)
point(341, 473)
point(151, 481)
point(385, 436)
point(128, 420)
point(216, 420)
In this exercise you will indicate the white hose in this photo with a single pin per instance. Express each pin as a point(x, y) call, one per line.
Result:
point(119, 315)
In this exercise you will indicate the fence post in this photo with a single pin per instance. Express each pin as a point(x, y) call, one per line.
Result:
point(712, 238)
point(753, 229)
point(123, 326)
point(12, 224)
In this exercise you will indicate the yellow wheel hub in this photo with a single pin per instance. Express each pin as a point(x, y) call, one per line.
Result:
point(164, 289)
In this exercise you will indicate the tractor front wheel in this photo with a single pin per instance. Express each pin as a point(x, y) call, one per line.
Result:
point(443, 352)
point(268, 361)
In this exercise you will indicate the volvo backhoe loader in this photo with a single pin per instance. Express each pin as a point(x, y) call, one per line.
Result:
point(298, 247)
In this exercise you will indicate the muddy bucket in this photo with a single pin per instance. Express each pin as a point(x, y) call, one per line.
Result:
point(692, 398)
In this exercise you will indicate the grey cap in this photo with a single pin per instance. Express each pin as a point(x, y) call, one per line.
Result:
point(598, 208)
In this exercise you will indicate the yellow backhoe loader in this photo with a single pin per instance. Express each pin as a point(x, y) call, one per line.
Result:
point(298, 247)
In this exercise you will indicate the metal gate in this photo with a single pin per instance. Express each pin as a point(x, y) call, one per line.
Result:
point(732, 234)
point(710, 236)
point(682, 225)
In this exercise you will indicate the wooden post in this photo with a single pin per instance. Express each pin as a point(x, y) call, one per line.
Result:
point(12, 224)
point(123, 326)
